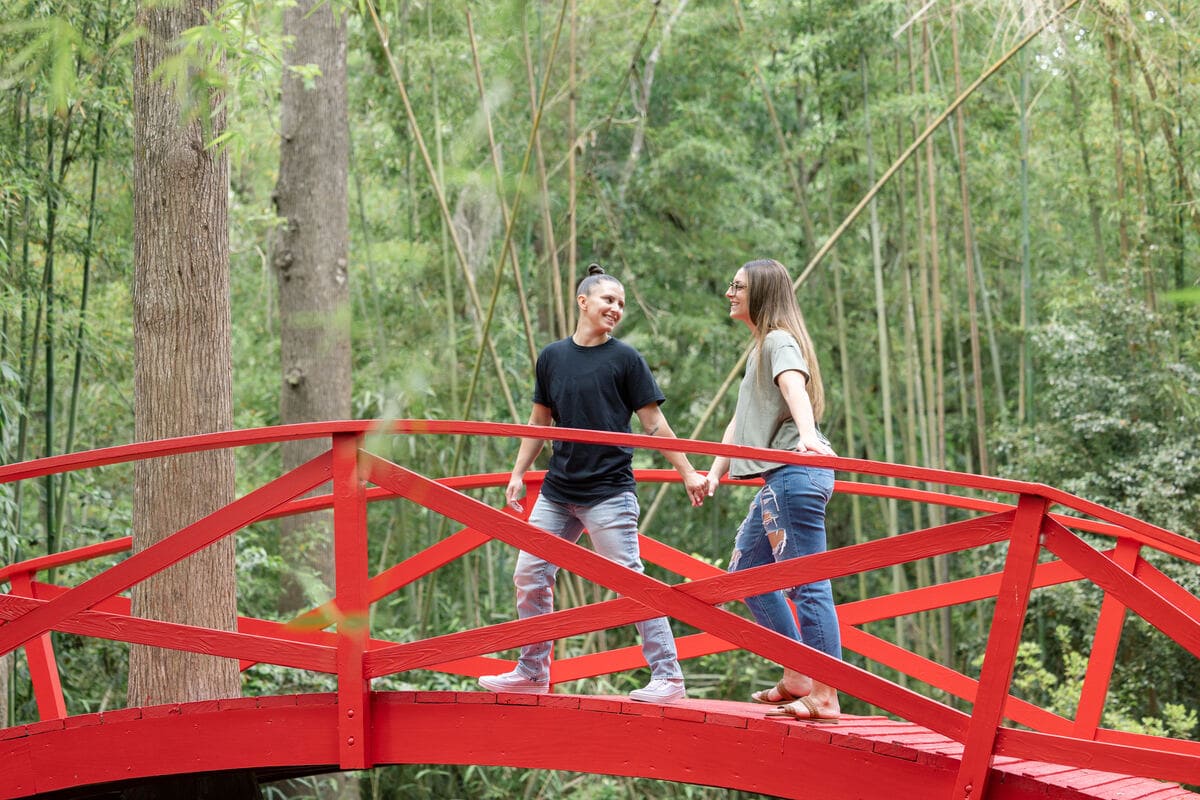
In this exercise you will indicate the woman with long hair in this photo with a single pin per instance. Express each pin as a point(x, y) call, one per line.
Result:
point(780, 401)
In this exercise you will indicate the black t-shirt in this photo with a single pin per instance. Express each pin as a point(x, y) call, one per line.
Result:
point(598, 388)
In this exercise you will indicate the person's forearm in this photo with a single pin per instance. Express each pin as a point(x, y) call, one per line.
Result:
point(720, 464)
point(800, 407)
point(526, 453)
point(677, 460)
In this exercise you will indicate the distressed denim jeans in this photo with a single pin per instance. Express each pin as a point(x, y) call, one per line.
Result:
point(612, 525)
point(787, 520)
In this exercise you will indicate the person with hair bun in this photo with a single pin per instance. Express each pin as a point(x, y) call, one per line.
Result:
point(594, 381)
point(779, 403)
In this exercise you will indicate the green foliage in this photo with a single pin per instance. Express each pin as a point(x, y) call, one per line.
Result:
point(1125, 401)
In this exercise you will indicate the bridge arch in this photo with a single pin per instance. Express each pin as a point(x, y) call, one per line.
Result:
point(968, 755)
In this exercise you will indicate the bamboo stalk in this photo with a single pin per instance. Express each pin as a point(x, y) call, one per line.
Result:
point(1114, 96)
point(77, 368)
point(508, 229)
point(1143, 192)
point(419, 139)
point(936, 379)
point(780, 141)
point(1085, 158)
point(1025, 371)
point(556, 300)
point(848, 396)
point(494, 153)
point(881, 318)
point(933, 126)
point(969, 257)
point(572, 188)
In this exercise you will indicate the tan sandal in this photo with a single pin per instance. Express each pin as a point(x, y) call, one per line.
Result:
point(814, 714)
point(784, 696)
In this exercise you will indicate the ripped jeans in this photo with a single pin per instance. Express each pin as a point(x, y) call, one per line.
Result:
point(787, 520)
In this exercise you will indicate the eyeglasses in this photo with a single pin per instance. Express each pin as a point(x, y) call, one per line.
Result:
point(736, 286)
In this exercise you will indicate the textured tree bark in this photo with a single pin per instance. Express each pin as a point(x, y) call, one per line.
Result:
point(310, 261)
point(182, 375)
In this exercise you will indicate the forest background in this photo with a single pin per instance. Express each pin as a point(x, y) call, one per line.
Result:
point(1006, 284)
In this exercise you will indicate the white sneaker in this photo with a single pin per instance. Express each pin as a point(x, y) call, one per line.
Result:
point(660, 690)
point(513, 681)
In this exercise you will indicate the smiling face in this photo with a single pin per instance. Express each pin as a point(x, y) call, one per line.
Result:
point(739, 298)
point(602, 307)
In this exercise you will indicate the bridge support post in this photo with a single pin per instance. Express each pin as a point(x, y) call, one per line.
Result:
point(353, 627)
point(1104, 649)
point(43, 668)
point(1012, 602)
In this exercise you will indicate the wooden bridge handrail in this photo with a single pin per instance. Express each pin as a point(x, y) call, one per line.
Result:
point(1153, 535)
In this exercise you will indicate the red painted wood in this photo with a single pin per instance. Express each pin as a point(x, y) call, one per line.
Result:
point(948, 680)
point(353, 628)
point(1148, 534)
point(398, 576)
point(163, 554)
point(1182, 746)
point(1153, 595)
point(1000, 656)
point(711, 742)
point(120, 627)
point(1175, 594)
point(1105, 642)
point(39, 655)
point(1128, 760)
point(664, 599)
point(964, 590)
point(1152, 607)
point(79, 554)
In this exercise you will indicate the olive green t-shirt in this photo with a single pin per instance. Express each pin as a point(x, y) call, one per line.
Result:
point(762, 418)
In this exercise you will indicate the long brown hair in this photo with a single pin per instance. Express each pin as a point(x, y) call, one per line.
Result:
point(773, 307)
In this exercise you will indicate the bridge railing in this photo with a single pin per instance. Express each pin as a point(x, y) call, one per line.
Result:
point(1043, 549)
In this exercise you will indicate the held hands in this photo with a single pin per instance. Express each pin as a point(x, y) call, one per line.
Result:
point(711, 481)
point(697, 487)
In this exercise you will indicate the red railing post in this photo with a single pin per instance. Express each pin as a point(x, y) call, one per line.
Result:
point(353, 629)
point(43, 667)
point(1012, 601)
point(1104, 649)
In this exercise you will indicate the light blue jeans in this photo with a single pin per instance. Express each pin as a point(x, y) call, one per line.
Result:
point(612, 525)
point(787, 520)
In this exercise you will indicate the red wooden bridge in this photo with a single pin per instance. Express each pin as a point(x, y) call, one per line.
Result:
point(1004, 747)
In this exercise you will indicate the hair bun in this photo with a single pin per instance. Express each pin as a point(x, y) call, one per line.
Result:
point(595, 269)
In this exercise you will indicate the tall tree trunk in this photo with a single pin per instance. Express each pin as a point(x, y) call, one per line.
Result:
point(182, 377)
point(310, 263)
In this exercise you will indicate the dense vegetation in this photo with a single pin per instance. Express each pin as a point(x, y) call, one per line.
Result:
point(1050, 334)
